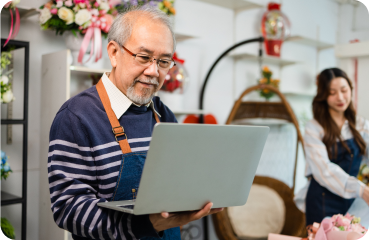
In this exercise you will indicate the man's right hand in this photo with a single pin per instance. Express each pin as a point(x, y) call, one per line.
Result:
point(165, 220)
point(366, 195)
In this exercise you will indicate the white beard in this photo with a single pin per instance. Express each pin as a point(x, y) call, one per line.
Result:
point(147, 95)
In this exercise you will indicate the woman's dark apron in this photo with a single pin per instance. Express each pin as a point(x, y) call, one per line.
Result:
point(132, 163)
point(320, 202)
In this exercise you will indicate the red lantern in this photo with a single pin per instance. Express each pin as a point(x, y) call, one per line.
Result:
point(275, 27)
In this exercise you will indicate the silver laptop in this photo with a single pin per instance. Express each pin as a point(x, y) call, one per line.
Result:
point(189, 165)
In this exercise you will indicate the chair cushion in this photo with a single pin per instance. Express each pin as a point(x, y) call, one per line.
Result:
point(263, 213)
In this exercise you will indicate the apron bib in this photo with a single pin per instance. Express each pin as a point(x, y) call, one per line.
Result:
point(131, 164)
point(320, 202)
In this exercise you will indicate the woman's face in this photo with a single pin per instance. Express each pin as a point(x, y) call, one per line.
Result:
point(339, 97)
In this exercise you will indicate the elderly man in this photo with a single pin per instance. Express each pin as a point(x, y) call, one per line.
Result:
point(89, 163)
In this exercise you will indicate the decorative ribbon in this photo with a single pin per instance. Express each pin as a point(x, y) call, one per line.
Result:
point(16, 25)
point(325, 227)
point(93, 35)
point(175, 58)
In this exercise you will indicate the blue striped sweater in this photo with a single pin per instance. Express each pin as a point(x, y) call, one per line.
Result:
point(83, 166)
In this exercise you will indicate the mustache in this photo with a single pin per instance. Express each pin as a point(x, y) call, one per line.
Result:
point(148, 80)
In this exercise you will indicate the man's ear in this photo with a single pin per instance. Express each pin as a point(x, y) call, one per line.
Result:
point(113, 52)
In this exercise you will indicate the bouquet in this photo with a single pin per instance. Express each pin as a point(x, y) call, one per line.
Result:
point(364, 174)
point(14, 26)
point(6, 91)
point(91, 18)
point(336, 228)
point(267, 79)
point(165, 5)
point(5, 167)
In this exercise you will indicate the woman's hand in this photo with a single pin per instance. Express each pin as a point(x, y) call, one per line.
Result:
point(366, 195)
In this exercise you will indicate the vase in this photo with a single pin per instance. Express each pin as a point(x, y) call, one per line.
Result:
point(73, 43)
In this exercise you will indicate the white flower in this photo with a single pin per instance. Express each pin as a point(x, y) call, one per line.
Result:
point(66, 14)
point(59, 4)
point(45, 15)
point(82, 16)
point(4, 79)
point(15, 2)
point(104, 6)
point(365, 171)
point(8, 96)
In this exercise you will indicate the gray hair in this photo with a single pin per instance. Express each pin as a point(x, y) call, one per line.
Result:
point(121, 29)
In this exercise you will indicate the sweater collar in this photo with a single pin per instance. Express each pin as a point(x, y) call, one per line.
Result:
point(120, 102)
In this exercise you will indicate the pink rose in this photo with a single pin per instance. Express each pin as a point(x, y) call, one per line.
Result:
point(54, 11)
point(68, 3)
point(107, 21)
point(8, 4)
point(342, 221)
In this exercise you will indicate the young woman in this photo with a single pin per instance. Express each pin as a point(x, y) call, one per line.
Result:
point(336, 144)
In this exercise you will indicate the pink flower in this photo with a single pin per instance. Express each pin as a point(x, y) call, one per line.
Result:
point(342, 221)
point(79, 1)
point(107, 21)
point(358, 228)
point(102, 12)
point(68, 3)
point(96, 4)
point(114, 2)
point(54, 11)
point(8, 4)
point(94, 12)
point(59, 4)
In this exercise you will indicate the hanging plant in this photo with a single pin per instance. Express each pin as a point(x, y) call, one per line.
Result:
point(7, 228)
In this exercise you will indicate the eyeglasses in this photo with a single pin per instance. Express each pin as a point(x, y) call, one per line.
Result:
point(146, 60)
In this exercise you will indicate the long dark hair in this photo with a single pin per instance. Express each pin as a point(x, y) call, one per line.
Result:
point(322, 115)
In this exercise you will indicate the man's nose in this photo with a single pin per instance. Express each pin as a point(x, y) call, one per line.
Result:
point(152, 70)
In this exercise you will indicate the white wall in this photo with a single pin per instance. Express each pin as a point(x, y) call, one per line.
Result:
point(214, 29)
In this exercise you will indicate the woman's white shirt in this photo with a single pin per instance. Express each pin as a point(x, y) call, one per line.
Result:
point(325, 172)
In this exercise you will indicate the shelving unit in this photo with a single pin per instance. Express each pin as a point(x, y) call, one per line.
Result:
point(24, 12)
point(266, 59)
point(320, 45)
point(238, 5)
point(7, 198)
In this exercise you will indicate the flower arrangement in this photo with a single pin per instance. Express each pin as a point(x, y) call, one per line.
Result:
point(6, 91)
point(337, 223)
point(4, 167)
point(364, 174)
point(267, 79)
point(78, 15)
point(7, 228)
point(167, 6)
point(14, 27)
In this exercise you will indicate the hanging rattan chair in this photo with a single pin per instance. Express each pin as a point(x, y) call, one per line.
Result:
point(294, 224)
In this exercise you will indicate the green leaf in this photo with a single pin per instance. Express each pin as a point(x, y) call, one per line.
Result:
point(7, 228)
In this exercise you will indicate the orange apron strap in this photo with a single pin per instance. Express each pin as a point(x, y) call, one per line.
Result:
point(156, 117)
point(117, 129)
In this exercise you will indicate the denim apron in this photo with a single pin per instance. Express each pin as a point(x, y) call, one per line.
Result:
point(131, 165)
point(320, 202)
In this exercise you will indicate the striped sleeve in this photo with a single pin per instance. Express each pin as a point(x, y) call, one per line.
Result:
point(74, 192)
point(325, 172)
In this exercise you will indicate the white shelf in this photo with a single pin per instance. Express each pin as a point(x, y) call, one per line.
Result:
point(24, 12)
point(350, 50)
point(260, 121)
point(299, 94)
point(309, 42)
point(266, 59)
point(182, 36)
point(88, 70)
point(234, 4)
point(188, 112)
